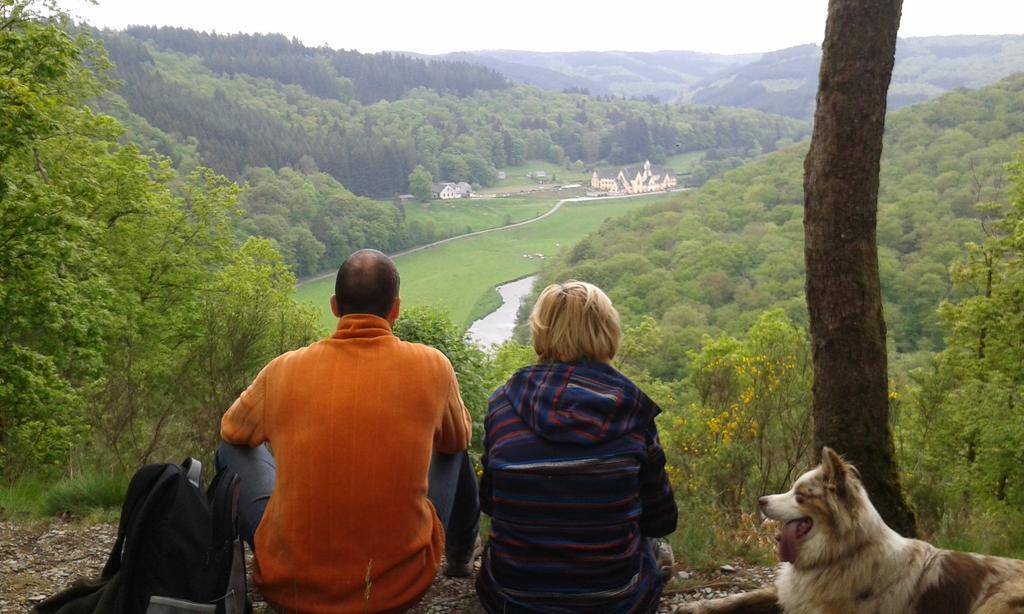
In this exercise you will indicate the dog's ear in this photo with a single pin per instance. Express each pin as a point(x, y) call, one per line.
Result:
point(834, 469)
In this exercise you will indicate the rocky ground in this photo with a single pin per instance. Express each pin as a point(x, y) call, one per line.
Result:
point(38, 560)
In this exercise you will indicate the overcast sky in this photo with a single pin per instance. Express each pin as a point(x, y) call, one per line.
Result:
point(438, 26)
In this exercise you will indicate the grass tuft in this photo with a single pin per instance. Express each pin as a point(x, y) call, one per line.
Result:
point(998, 531)
point(21, 501)
point(707, 538)
point(489, 301)
point(95, 495)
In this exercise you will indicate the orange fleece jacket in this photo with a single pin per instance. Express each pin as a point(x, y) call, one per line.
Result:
point(352, 421)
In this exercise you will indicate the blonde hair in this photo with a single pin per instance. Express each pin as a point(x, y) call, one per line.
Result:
point(575, 320)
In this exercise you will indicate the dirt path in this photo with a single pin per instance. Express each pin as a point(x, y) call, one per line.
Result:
point(39, 560)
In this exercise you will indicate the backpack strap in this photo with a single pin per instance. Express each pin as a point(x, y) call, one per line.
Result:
point(223, 497)
point(193, 470)
point(143, 483)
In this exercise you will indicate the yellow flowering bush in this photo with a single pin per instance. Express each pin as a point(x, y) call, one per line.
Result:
point(746, 429)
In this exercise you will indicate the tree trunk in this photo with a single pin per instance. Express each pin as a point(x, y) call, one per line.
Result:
point(851, 401)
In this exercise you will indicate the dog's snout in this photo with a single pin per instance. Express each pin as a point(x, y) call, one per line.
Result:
point(763, 502)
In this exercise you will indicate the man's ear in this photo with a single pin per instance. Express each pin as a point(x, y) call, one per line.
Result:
point(393, 314)
point(334, 306)
point(834, 469)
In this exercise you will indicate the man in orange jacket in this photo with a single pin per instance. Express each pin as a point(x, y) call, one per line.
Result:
point(341, 513)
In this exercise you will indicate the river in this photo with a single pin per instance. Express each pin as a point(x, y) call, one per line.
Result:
point(497, 326)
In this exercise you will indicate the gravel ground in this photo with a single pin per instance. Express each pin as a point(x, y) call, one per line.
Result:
point(38, 560)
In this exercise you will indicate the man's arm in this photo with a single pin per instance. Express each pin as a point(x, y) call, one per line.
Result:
point(244, 421)
point(454, 431)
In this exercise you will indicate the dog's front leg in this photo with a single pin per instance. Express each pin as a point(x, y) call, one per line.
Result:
point(761, 601)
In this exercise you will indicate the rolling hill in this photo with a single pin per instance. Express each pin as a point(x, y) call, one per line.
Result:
point(712, 260)
point(660, 74)
point(782, 81)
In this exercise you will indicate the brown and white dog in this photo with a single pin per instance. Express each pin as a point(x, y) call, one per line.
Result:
point(839, 557)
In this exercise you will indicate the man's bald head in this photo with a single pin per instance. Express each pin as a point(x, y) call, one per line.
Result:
point(367, 282)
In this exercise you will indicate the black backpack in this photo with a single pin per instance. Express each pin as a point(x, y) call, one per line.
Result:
point(177, 550)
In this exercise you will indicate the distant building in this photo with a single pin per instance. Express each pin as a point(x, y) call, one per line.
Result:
point(633, 179)
point(445, 191)
point(465, 190)
point(500, 175)
point(401, 199)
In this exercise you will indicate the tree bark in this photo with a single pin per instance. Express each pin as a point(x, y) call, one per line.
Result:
point(851, 401)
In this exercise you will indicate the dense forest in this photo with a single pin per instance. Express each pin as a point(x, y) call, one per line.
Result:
point(256, 115)
point(323, 72)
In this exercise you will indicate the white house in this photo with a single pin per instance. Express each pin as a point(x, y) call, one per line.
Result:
point(446, 191)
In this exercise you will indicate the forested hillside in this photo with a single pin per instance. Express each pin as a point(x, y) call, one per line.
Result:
point(785, 81)
point(267, 102)
point(322, 71)
point(314, 132)
point(717, 258)
point(663, 75)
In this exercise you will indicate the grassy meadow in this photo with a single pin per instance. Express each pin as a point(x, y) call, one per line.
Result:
point(459, 274)
point(516, 178)
point(462, 215)
point(684, 163)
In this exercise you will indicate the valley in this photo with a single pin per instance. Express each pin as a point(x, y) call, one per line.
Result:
point(461, 275)
point(174, 204)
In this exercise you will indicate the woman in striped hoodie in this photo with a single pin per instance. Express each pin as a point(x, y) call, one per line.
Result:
point(574, 476)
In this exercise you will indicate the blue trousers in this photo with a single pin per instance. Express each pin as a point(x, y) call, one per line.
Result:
point(452, 489)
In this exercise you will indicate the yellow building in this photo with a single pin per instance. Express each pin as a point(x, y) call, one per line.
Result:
point(633, 179)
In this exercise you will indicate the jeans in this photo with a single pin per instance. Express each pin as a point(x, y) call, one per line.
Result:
point(452, 489)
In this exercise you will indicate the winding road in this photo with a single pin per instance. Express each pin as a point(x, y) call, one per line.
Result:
point(477, 233)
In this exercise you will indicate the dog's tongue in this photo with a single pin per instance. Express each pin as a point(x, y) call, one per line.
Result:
point(787, 541)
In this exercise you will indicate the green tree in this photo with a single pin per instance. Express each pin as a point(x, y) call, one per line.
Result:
point(195, 319)
point(107, 260)
point(509, 358)
point(747, 430)
point(965, 431)
point(54, 299)
point(452, 167)
point(432, 326)
point(480, 170)
point(421, 184)
point(246, 317)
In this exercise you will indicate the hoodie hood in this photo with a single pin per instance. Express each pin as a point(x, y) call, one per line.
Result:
point(582, 402)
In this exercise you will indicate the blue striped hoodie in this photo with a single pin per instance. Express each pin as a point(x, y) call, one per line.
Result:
point(574, 481)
